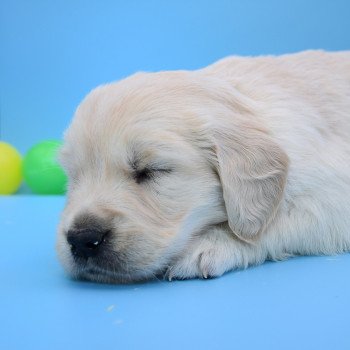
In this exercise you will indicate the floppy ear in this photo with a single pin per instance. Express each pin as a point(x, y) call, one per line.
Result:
point(253, 170)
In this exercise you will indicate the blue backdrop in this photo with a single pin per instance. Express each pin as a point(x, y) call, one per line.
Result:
point(54, 52)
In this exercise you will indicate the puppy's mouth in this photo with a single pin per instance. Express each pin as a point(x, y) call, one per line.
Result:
point(101, 275)
point(103, 270)
point(99, 270)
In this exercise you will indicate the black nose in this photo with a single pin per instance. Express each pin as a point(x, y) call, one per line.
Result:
point(86, 243)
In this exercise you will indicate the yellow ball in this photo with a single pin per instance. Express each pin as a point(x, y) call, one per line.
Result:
point(10, 169)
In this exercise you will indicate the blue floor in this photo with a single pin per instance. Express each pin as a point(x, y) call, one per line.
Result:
point(303, 303)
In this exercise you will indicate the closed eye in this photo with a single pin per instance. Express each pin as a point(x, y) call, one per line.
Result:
point(148, 173)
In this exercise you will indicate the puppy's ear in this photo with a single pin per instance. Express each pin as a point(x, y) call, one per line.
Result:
point(253, 170)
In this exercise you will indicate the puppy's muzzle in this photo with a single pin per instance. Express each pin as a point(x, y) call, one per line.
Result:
point(87, 243)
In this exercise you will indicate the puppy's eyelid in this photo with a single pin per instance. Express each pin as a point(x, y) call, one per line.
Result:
point(148, 173)
point(142, 175)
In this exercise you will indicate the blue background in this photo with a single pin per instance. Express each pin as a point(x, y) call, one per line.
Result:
point(54, 52)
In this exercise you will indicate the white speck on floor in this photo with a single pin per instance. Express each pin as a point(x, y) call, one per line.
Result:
point(110, 308)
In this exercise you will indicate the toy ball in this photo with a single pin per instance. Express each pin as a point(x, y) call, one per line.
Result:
point(10, 169)
point(41, 171)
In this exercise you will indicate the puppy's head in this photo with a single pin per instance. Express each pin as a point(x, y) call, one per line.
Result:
point(155, 160)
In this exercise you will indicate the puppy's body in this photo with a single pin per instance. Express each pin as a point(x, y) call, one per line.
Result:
point(256, 165)
point(303, 101)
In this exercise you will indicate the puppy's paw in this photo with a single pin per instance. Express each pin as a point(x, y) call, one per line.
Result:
point(211, 263)
point(207, 260)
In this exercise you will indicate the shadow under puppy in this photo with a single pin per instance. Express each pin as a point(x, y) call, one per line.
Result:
point(194, 173)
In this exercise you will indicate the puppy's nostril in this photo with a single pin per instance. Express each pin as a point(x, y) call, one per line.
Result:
point(93, 245)
point(86, 243)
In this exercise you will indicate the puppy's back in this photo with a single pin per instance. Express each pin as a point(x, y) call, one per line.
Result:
point(310, 87)
point(312, 63)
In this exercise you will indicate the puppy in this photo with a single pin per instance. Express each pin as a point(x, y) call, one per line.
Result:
point(194, 173)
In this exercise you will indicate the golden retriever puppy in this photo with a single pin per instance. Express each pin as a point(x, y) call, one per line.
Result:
point(194, 173)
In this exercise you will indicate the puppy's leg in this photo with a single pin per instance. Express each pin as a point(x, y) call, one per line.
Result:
point(214, 253)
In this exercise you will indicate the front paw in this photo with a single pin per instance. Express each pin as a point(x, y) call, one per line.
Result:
point(206, 261)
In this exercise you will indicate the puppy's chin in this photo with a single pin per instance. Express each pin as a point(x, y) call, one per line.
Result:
point(92, 271)
point(100, 275)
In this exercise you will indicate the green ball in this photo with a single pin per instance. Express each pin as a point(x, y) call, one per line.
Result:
point(41, 171)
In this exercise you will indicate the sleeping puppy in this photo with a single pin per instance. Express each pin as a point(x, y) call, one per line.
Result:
point(194, 173)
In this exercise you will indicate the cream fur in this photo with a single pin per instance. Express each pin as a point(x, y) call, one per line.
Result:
point(257, 160)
